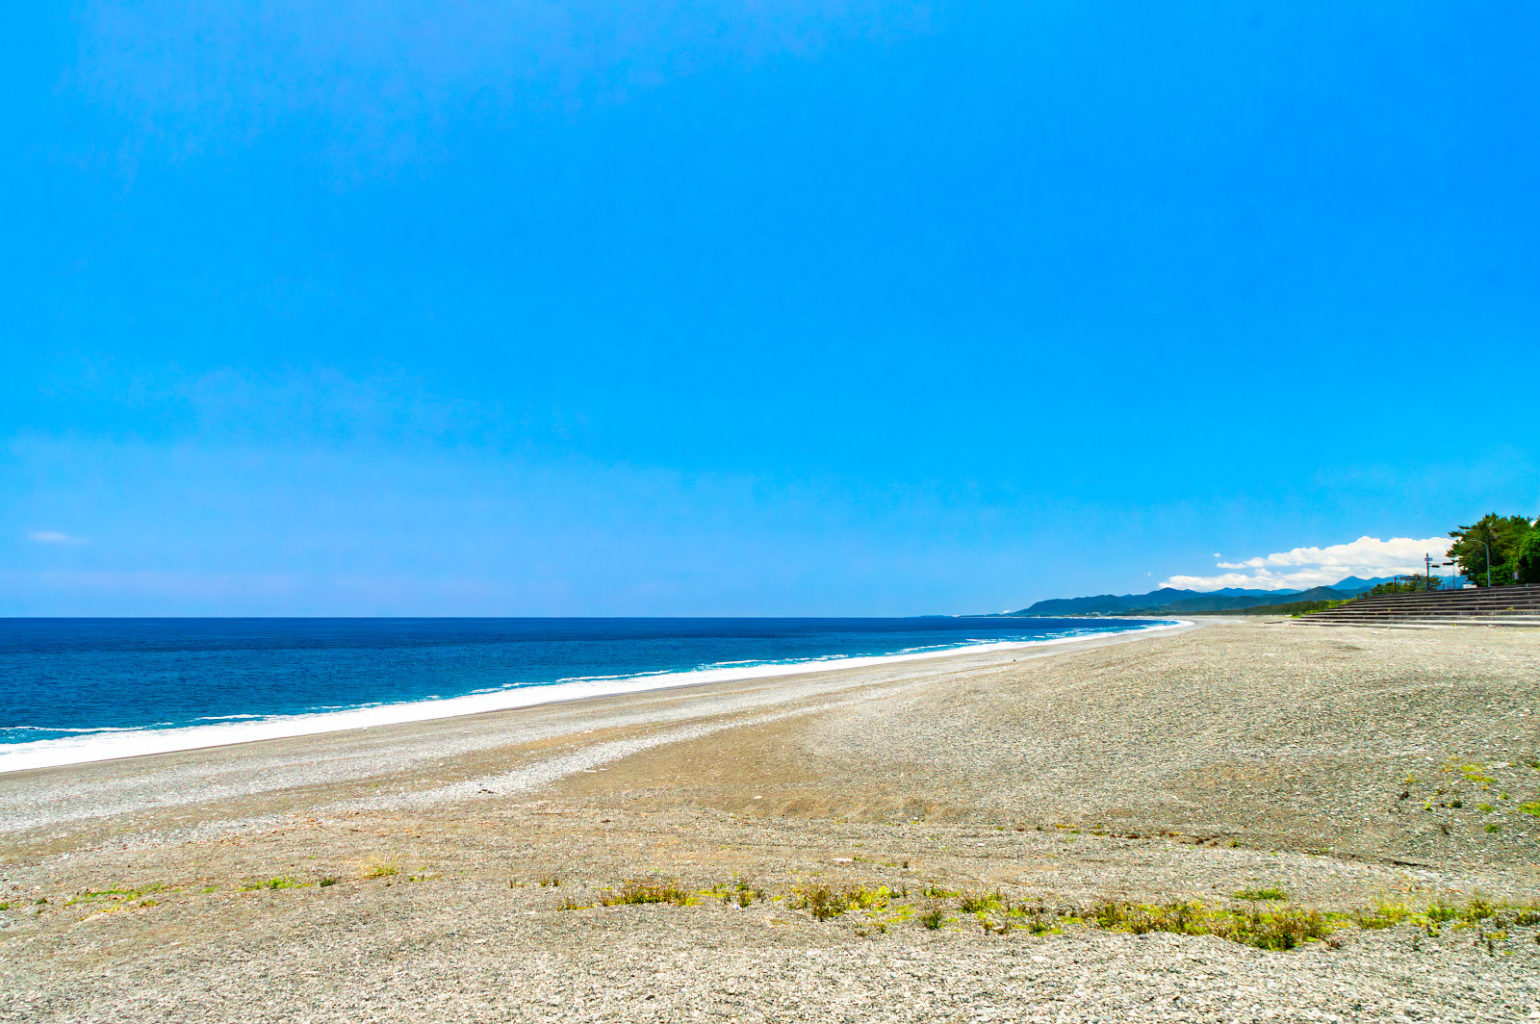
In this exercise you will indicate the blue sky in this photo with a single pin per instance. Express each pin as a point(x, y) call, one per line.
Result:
point(722, 308)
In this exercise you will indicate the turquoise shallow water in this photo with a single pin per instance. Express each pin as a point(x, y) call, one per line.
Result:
point(71, 678)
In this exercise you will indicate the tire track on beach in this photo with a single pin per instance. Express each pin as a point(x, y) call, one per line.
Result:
point(543, 773)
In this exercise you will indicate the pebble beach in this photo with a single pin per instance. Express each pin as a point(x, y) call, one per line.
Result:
point(1001, 835)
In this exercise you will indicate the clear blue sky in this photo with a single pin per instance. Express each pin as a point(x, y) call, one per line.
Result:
point(720, 308)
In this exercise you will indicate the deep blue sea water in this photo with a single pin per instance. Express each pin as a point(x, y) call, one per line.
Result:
point(70, 678)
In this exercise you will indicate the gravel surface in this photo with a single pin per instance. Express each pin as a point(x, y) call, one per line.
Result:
point(1343, 770)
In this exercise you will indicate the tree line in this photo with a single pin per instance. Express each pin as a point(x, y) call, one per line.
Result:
point(1507, 545)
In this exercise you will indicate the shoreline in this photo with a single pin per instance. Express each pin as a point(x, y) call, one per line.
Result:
point(118, 744)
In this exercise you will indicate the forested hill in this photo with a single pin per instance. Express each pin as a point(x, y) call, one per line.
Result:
point(1170, 600)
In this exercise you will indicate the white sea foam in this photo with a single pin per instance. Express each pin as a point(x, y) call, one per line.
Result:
point(107, 744)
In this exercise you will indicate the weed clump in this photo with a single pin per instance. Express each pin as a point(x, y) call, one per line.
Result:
point(1036, 920)
point(1475, 911)
point(1280, 930)
point(821, 901)
point(745, 892)
point(825, 902)
point(642, 891)
point(281, 882)
point(1264, 924)
point(1441, 913)
point(378, 867)
point(1385, 915)
point(1478, 910)
point(981, 902)
point(1259, 895)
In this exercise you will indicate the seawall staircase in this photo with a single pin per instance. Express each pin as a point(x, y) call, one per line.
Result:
point(1486, 606)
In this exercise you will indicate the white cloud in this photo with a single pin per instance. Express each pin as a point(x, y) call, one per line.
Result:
point(51, 537)
point(1302, 568)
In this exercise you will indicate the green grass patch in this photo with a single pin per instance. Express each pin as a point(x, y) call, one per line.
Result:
point(273, 884)
point(1475, 773)
point(1259, 895)
point(114, 895)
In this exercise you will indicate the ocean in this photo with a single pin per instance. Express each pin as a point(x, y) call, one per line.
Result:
point(75, 690)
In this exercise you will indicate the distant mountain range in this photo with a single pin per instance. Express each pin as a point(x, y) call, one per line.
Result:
point(1169, 600)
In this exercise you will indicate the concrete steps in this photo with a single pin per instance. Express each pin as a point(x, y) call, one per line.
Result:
point(1403, 621)
point(1495, 606)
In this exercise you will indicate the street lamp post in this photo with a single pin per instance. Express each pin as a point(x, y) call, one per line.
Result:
point(1489, 563)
